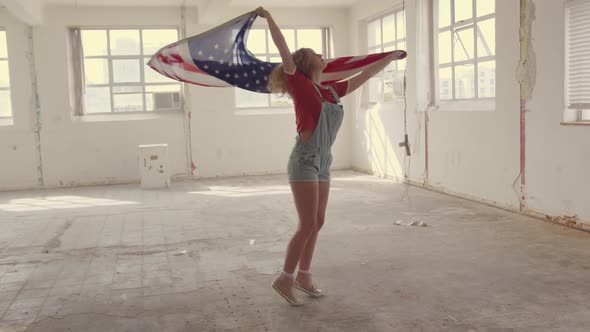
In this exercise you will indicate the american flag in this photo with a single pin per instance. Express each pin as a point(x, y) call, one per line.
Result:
point(219, 58)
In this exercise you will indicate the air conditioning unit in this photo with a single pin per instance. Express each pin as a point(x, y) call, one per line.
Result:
point(166, 101)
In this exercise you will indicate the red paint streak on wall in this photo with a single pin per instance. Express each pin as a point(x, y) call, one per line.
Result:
point(522, 150)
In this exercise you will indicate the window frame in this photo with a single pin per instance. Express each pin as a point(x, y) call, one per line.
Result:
point(143, 67)
point(463, 104)
point(571, 115)
point(380, 48)
point(8, 88)
point(326, 52)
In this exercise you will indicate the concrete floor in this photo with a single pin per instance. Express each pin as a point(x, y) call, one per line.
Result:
point(201, 257)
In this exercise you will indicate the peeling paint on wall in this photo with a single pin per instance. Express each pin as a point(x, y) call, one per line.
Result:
point(571, 221)
point(526, 73)
point(35, 106)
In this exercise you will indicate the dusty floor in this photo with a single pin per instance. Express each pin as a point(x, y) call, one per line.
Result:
point(201, 257)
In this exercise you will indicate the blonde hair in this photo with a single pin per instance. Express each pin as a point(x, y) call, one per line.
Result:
point(277, 82)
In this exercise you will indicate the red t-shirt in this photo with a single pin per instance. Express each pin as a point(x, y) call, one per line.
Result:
point(308, 103)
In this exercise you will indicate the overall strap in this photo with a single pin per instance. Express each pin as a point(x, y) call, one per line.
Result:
point(319, 92)
point(334, 94)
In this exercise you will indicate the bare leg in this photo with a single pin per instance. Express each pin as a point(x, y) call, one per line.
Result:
point(304, 279)
point(306, 196)
point(324, 191)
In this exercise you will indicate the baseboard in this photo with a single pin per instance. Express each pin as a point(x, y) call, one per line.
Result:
point(568, 221)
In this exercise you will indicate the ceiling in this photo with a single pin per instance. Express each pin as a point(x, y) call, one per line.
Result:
point(231, 3)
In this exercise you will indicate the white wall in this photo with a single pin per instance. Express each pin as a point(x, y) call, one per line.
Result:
point(476, 154)
point(18, 163)
point(99, 149)
point(558, 157)
point(94, 149)
point(378, 129)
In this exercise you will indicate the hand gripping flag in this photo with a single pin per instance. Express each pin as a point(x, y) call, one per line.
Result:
point(219, 58)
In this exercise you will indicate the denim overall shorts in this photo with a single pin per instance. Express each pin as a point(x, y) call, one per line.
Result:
point(311, 161)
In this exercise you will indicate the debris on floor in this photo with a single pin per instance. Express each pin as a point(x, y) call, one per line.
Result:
point(413, 223)
point(180, 253)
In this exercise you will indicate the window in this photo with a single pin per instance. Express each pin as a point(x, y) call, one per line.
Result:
point(577, 67)
point(261, 45)
point(115, 74)
point(384, 34)
point(5, 102)
point(466, 40)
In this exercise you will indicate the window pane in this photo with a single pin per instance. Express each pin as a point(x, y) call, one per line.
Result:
point(464, 82)
point(97, 100)
point(388, 88)
point(374, 50)
point(463, 10)
point(464, 44)
point(94, 42)
point(4, 74)
point(289, 35)
point(310, 38)
point(444, 13)
point(256, 42)
point(401, 25)
point(152, 76)
point(245, 98)
point(398, 84)
point(96, 71)
point(444, 47)
point(445, 83)
point(487, 77)
point(486, 38)
point(374, 33)
point(126, 89)
point(388, 28)
point(393, 48)
point(150, 89)
point(124, 42)
point(375, 89)
point(3, 45)
point(392, 66)
point(154, 40)
point(393, 87)
point(277, 100)
point(275, 59)
point(401, 64)
point(130, 102)
point(162, 88)
point(485, 7)
point(263, 57)
point(126, 71)
point(5, 104)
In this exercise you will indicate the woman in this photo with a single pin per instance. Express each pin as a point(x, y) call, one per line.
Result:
point(319, 116)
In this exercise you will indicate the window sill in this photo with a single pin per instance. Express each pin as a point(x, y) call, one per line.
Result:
point(487, 105)
point(135, 116)
point(263, 111)
point(6, 122)
point(577, 123)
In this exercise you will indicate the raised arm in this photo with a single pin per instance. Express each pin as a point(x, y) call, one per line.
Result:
point(372, 70)
point(279, 40)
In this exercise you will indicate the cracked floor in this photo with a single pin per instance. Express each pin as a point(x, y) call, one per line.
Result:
point(201, 256)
